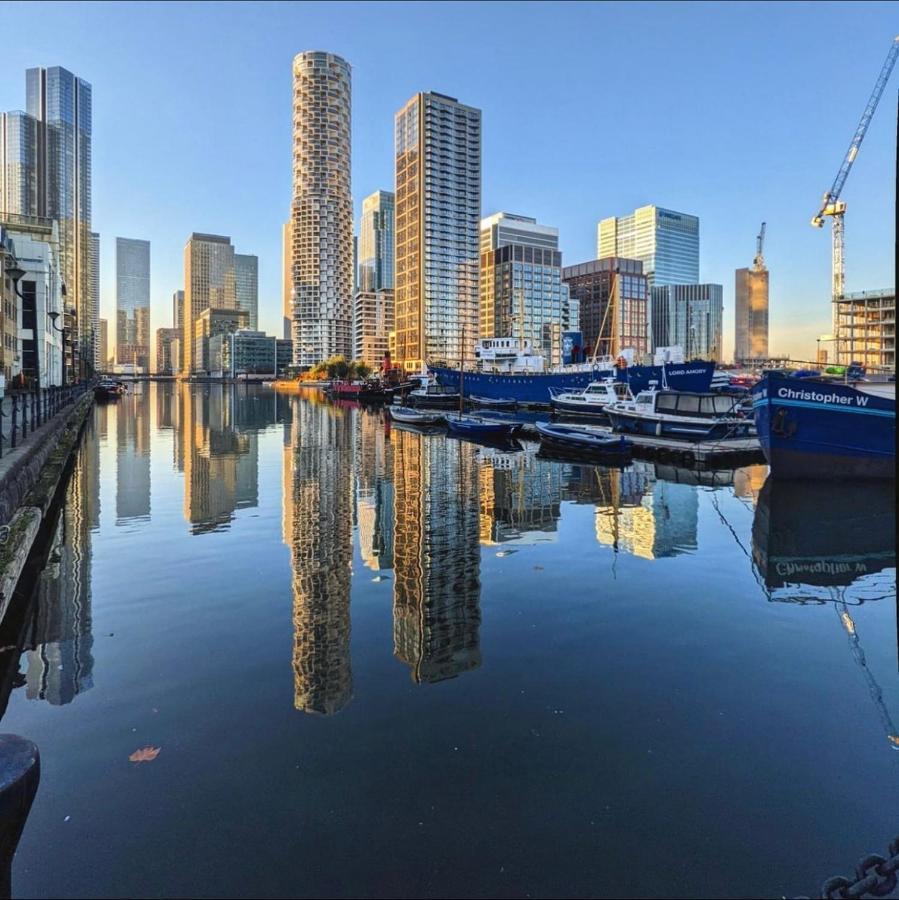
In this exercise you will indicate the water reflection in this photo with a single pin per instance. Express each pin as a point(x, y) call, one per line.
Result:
point(132, 415)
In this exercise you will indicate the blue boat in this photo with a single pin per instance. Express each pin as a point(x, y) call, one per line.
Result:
point(581, 441)
point(474, 427)
point(533, 388)
point(815, 428)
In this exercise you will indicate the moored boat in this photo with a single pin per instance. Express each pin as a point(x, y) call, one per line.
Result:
point(580, 440)
point(592, 400)
point(477, 427)
point(812, 428)
point(107, 389)
point(414, 416)
point(685, 415)
point(494, 402)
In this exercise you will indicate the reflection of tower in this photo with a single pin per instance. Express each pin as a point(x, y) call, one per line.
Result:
point(436, 611)
point(374, 491)
point(60, 665)
point(319, 480)
point(748, 482)
point(133, 455)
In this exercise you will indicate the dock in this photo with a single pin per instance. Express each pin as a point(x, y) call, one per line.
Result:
point(703, 454)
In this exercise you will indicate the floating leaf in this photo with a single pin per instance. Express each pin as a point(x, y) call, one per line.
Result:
point(145, 754)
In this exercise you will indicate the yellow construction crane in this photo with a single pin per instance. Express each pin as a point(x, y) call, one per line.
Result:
point(831, 205)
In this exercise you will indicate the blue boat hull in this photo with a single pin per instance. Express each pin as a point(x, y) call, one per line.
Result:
point(715, 431)
point(534, 390)
point(814, 429)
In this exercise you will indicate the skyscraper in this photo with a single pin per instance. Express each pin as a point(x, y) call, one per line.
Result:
point(61, 103)
point(133, 303)
point(666, 242)
point(522, 292)
point(104, 344)
point(751, 309)
point(322, 210)
point(438, 217)
point(18, 164)
point(178, 324)
point(246, 270)
point(209, 281)
point(373, 304)
point(286, 281)
point(689, 316)
point(98, 361)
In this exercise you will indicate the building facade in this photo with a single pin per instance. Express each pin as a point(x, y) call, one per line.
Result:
point(665, 241)
point(209, 282)
point(178, 323)
point(866, 325)
point(98, 361)
point(322, 211)
point(211, 322)
point(522, 292)
point(104, 345)
point(438, 213)
point(18, 164)
point(689, 316)
point(166, 340)
point(246, 270)
point(613, 298)
point(132, 261)
point(286, 281)
point(751, 315)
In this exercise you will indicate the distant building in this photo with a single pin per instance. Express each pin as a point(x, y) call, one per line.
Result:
point(212, 322)
point(438, 214)
point(595, 284)
point(283, 354)
point(522, 292)
point(665, 241)
point(98, 361)
point(866, 326)
point(19, 165)
point(751, 315)
point(166, 338)
point(246, 269)
point(690, 316)
point(286, 281)
point(133, 303)
point(104, 344)
point(373, 302)
point(178, 322)
point(322, 209)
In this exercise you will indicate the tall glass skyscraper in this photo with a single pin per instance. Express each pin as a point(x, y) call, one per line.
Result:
point(689, 316)
point(98, 361)
point(373, 303)
point(438, 218)
point(322, 210)
point(133, 303)
point(522, 292)
point(666, 242)
point(18, 164)
point(246, 270)
point(61, 103)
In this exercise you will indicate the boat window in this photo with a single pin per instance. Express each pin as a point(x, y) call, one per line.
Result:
point(688, 403)
point(621, 390)
point(723, 405)
point(707, 405)
point(666, 402)
point(644, 398)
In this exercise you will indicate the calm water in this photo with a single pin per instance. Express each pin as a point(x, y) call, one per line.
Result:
point(379, 663)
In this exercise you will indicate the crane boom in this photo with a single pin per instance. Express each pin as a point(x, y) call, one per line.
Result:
point(833, 195)
point(759, 261)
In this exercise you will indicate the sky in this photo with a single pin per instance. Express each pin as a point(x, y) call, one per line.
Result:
point(736, 112)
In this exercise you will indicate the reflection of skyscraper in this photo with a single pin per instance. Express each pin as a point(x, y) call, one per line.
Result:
point(319, 479)
point(133, 455)
point(60, 663)
point(374, 491)
point(436, 611)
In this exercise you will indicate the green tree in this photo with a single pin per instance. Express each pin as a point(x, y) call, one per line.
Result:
point(361, 369)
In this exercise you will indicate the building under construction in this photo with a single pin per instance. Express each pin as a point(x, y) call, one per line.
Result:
point(866, 324)
point(751, 308)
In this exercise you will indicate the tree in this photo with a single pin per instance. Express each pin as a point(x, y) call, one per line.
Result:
point(362, 369)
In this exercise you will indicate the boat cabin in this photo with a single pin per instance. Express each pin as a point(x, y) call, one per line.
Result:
point(684, 403)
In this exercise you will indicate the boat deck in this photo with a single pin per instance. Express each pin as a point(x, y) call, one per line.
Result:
point(734, 451)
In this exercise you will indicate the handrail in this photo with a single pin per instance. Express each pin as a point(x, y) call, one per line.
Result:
point(21, 412)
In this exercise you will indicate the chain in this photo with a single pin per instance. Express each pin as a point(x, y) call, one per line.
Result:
point(874, 876)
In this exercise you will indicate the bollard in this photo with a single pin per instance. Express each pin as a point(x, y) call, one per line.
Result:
point(20, 773)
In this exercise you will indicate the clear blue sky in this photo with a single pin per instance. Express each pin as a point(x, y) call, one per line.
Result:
point(734, 112)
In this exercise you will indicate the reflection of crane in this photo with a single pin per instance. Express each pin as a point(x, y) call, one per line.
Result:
point(758, 264)
point(831, 205)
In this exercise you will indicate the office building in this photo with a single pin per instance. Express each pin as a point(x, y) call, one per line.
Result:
point(866, 326)
point(283, 355)
point(243, 352)
point(211, 322)
point(61, 104)
point(689, 316)
point(98, 361)
point(166, 339)
point(19, 142)
point(438, 217)
point(522, 292)
point(209, 282)
point(104, 345)
point(751, 316)
point(665, 241)
point(178, 323)
point(133, 303)
point(613, 298)
point(246, 270)
point(322, 209)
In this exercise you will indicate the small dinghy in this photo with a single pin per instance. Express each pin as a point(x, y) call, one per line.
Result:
point(488, 415)
point(477, 427)
point(576, 439)
point(409, 416)
point(494, 402)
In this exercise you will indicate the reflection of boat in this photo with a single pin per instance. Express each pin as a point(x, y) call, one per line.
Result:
point(830, 538)
point(680, 414)
point(593, 399)
point(813, 428)
point(576, 439)
point(409, 416)
point(477, 427)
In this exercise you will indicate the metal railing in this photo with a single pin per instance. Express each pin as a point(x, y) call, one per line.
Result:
point(21, 412)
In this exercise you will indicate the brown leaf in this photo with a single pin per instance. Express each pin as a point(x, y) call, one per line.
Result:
point(145, 754)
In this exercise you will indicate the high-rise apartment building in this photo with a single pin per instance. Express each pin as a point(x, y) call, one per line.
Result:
point(246, 269)
point(133, 303)
point(613, 294)
point(522, 292)
point(373, 303)
point(322, 209)
point(209, 282)
point(866, 323)
point(665, 241)
point(104, 345)
point(61, 104)
point(438, 217)
point(689, 316)
point(98, 360)
point(286, 281)
point(751, 315)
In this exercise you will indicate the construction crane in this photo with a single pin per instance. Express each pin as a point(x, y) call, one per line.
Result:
point(758, 264)
point(831, 205)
